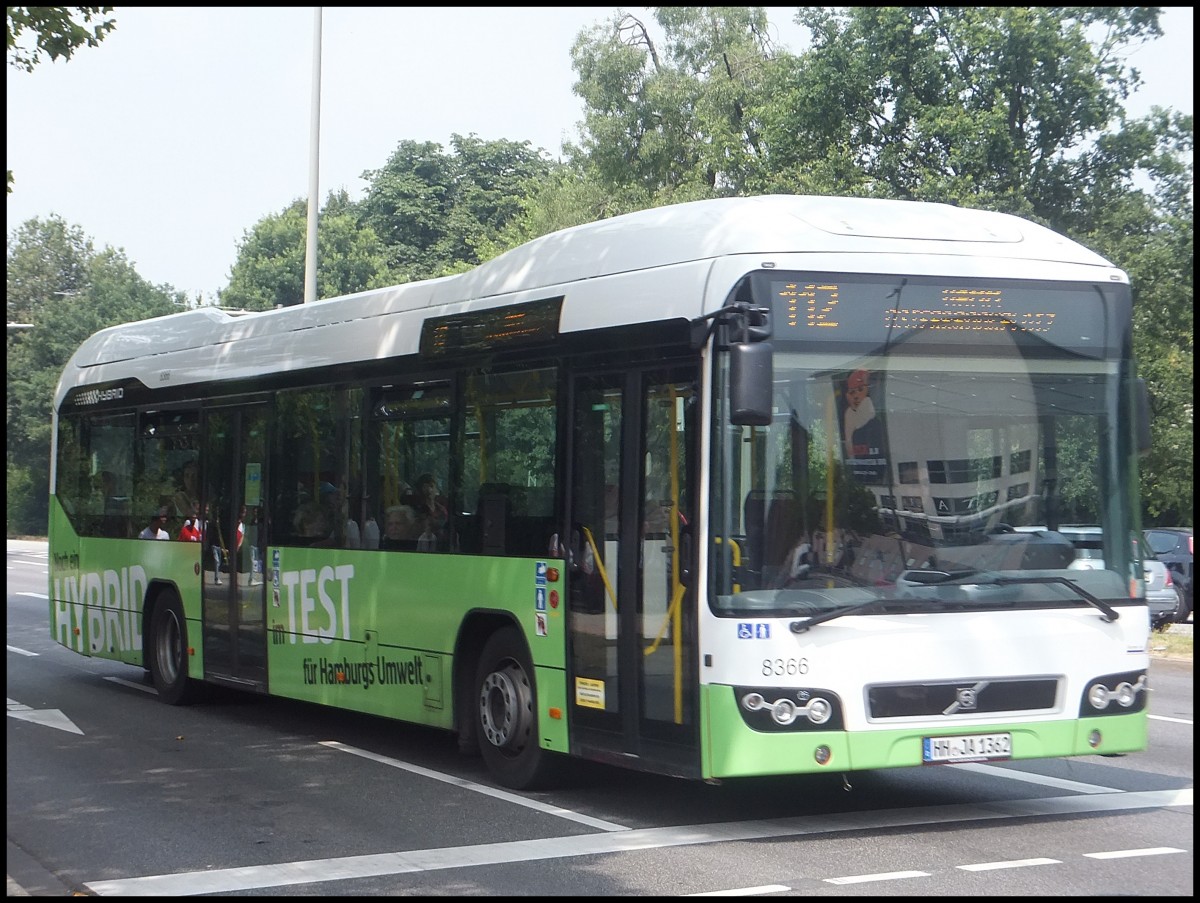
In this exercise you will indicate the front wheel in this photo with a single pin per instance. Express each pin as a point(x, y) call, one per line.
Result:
point(506, 715)
point(168, 653)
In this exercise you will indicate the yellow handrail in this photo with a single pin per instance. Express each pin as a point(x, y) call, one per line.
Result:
point(600, 567)
point(674, 612)
point(735, 548)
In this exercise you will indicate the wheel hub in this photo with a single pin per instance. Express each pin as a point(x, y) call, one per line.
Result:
point(506, 708)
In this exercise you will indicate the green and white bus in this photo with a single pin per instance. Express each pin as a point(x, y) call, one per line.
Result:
point(729, 488)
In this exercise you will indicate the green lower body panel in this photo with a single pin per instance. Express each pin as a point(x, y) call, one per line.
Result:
point(733, 749)
point(552, 705)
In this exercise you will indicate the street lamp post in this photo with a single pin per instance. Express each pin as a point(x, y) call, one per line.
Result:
point(310, 254)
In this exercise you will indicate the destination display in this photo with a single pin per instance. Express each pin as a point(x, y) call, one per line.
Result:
point(874, 309)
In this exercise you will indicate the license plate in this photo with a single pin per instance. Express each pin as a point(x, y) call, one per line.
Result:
point(967, 748)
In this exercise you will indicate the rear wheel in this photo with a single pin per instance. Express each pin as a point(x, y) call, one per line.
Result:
point(168, 653)
point(1180, 615)
point(506, 715)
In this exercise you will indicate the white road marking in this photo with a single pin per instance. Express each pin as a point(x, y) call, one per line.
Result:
point(312, 871)
point(882, 876)
point(46, 717)
point(1011, 864)
point(744, 891)
point(1030, 778)
point(19, 651)
point(478, 788)
point(1126, 854)
point(133, 685)
point(1172, 720)
point(35, 595)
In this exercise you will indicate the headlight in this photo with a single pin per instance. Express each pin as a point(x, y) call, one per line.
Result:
point(771, 709)
point(1128, 691)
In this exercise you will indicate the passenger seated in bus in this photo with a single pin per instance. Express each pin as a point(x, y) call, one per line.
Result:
point(344, 532)
point(311, 522)
point(428, 540)
point(192, 529)
point(157, 528)
point(426, 501)
point(400, 528)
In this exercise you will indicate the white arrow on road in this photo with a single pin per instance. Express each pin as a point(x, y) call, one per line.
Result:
point(48, 717)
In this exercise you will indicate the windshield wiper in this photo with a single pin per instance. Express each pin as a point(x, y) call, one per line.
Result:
point(1110, 613)
point(801, 626)
point(937, 578)
point(942, 578)
point(986, 578)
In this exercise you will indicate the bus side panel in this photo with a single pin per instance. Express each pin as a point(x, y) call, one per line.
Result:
point(376, 631)
point(67, 621)
point(98, 587)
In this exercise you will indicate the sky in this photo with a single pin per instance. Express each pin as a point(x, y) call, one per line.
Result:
point(188, 125)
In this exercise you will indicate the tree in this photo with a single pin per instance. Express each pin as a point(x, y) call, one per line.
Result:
point(57, 32)
point(269, 270)
point(1152, 238)
point(434, 210)
point(47, 259)
point(676, 120)
point(569, 196)
point(426, 214)
point(68, 291)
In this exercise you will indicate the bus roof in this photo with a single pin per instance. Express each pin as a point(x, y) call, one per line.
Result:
point(680, 240)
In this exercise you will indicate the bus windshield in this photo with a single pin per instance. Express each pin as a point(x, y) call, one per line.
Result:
point(925, 469)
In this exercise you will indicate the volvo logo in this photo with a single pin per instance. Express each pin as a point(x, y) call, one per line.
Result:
point(965, 698)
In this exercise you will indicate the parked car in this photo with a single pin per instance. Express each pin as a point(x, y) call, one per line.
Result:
point(1163, 597)
point(1173, 547)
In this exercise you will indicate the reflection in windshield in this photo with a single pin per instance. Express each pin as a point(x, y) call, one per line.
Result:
point(878, 466)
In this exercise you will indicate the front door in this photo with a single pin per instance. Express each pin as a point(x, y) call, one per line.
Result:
point(234, 456)
point(630, 596)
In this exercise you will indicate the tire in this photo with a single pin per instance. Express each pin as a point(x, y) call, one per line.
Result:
point(1181, 608)
point(506, 715)
point(167, 652)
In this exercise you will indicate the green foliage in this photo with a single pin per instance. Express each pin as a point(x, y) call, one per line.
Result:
point(679, 115)
point(568, 197)
point(56, 32)
point(433, 211)
point(22, 502)
point(1151, 237)
point(990, 107)
point(58, 283)
point(269, 271)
